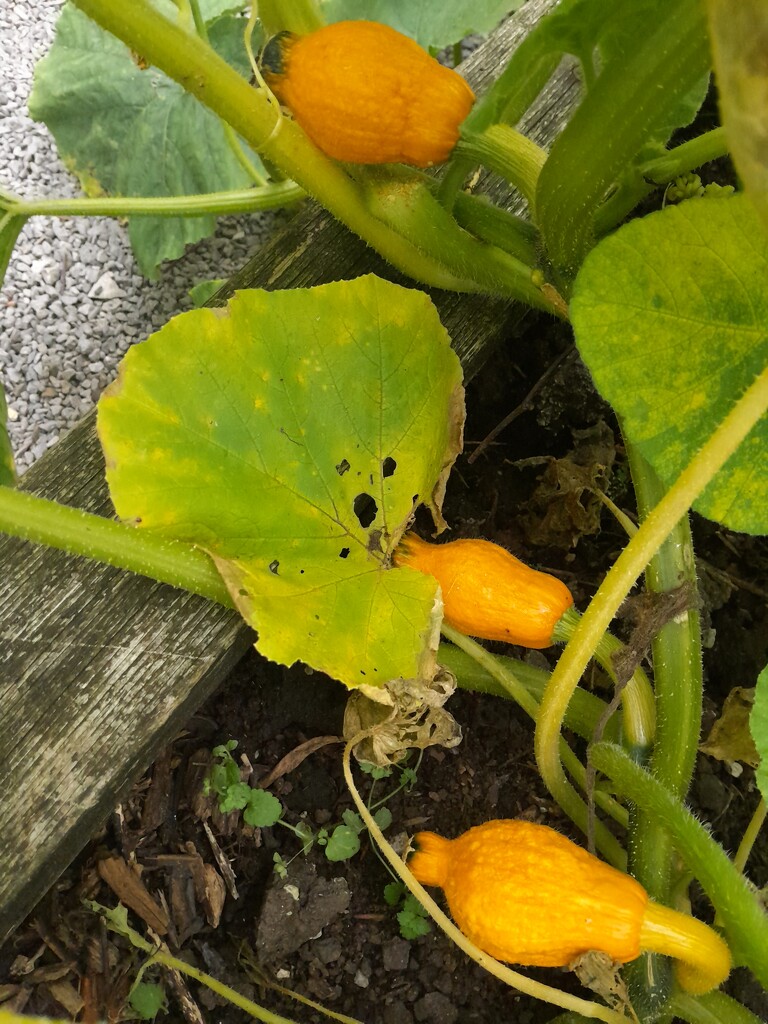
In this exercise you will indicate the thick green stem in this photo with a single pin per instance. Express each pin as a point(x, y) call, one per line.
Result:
point(637, 694)
point(713, 1008)
point(658, 525)
point(643, 179)
point(245, 200)
point(82, 533)
point(678, 680)
point(505, 230)
point(256, 118)
point(577, 809)
point(583, 714)
point(686, 157)
point(678, 677)
point(463, 265)
point(738, 906)
point(299, 16)
point(630, 101)
point(509, 153)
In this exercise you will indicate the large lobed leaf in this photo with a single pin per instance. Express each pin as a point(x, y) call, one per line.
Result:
point(432, 23)
point(671, 316)
point(291, 436)
point(127, 130)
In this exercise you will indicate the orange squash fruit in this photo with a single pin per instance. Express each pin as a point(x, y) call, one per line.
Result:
point(487, 592)
point(366, 94)
point(526, 894)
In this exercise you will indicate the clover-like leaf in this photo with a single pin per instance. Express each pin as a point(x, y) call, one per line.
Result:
point(343, 843)
point(670, 315)
point(292, 435)
point(262, 810)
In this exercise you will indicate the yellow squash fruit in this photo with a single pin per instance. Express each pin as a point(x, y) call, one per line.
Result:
point(487, 592)
point(527, 895)
point(367, 94)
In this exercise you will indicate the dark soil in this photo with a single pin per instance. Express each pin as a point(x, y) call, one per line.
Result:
point(330, 935)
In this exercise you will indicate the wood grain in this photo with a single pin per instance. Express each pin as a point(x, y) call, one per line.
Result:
point(100, 668)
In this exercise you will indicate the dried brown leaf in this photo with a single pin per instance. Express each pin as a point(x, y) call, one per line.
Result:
point(130, 890)
point(730, 738)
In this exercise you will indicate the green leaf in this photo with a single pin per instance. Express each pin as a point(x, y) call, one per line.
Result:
point(263, 809)
point(383, 818)
point(758, 725)
point(376, 771)
point(128, 131)
point(670, 316)
point(203, 290)
point(344, 842)
point(353, 820)
point(432, 23)
point(211, 9)
point(280, 866)
point(413, 919)
point(632, 100)
point(235, 797)
point(7, 467)
point(147, 999)
point(739, 34)
point(292, 435)
point(10, 228)
point(307, 836)
point(393, 893)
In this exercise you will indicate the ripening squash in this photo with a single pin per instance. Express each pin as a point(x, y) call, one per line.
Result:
point(367, 94)
point(487, 592)
point(526, 894)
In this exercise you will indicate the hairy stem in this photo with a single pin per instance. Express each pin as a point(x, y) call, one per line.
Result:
point(82, 533)
point(739, 908)
point(658, 525)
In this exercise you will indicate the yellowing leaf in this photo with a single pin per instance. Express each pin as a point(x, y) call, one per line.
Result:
point(292, 436)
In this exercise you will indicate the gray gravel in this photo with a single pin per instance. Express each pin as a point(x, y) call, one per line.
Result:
point(73, 300)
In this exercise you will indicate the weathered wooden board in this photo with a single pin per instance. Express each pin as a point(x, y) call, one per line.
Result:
point(99, 668)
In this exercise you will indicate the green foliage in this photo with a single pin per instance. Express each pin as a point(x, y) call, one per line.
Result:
point(432, 23)
point(412, 917)
point(376, 771)
point(260, 809)
point(343, 842)
point(125, 130)
point(739, 34)
point(670, 315)
point(10, 229)
point(7, 468)
point(203, 290)
point(758, 725)
point(147, 999)
point(292, 436)
point(630, 108)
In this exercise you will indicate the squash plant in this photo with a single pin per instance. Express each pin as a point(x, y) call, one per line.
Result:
point(272, 455)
